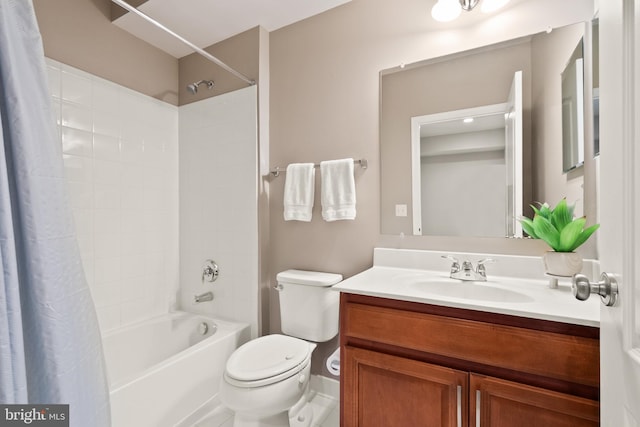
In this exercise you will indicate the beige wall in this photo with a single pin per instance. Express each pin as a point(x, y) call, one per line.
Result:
point(80, 34)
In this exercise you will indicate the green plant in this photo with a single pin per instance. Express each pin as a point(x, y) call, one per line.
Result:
point(557, 226)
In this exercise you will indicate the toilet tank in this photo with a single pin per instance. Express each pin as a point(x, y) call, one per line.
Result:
point(308, 305)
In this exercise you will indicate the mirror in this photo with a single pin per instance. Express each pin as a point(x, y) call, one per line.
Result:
point(448, 203)
point(595, 83)
point(573, 111)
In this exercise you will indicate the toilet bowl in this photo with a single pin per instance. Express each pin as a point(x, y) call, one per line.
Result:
point(266, 380)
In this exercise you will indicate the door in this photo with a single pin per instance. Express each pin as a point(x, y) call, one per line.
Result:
point(385, 391)
point(499, 403)
point(619, 235)
point(513, 156)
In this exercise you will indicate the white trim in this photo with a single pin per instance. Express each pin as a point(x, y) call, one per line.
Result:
point(416, 187)
point(518, 184)
point(580, 103)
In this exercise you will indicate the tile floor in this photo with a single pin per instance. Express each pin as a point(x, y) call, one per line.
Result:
point(324, 401)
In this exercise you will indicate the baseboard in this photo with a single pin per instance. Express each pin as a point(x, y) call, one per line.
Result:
point(325, 385)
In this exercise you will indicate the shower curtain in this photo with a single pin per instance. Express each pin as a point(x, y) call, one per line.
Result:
point(50, 347)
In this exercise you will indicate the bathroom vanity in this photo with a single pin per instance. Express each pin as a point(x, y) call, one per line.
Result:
point(419, 349)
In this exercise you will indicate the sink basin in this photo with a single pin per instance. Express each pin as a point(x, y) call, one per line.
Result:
point(479, 291)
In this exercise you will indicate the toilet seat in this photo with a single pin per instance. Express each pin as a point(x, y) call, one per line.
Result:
point(267, 360)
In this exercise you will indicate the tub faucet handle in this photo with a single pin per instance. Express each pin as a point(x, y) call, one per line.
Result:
point(210, 271)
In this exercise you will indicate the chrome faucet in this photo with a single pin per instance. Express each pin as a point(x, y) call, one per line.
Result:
point(207, 296)
point(466, 271)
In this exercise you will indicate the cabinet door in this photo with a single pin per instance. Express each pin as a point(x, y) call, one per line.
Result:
point(499, 403)
point(390, 391)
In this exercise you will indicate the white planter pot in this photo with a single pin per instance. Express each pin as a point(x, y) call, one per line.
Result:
point(564, 264)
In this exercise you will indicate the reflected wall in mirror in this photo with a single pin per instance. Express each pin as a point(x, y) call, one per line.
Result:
point(595, 84)
point(467, 80)
point(573, 111)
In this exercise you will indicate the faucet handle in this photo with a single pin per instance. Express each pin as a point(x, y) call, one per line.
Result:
point(480, 268)
point(210, 271)
point(455, 267)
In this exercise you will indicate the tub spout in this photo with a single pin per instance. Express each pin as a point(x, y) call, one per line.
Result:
point(207, 296)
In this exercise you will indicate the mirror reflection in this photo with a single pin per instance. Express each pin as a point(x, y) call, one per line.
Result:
point(573, 111)
point(460, 183)
point(595, 83)
point(466, 158)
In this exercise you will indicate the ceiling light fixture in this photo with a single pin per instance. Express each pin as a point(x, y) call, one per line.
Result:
point(448, 10)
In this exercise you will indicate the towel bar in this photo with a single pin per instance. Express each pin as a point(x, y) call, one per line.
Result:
point(278, 170)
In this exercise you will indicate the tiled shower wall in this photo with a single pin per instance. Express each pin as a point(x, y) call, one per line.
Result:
point(219, 204)
point(120, 153)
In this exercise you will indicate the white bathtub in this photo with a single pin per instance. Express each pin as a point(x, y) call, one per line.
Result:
point(163, 369)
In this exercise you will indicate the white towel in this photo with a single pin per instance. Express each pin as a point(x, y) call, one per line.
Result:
point(299, 187)
point(338, 190)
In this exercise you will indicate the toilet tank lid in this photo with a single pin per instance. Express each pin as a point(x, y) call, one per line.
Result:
point(311, 278)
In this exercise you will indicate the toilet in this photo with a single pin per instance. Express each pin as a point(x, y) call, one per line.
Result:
point(266, 381)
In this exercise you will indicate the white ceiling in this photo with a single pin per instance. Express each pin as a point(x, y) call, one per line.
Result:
point(205, 22)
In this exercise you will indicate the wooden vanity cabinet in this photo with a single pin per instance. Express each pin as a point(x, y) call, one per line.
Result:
point(411, 364)
point(386, 390)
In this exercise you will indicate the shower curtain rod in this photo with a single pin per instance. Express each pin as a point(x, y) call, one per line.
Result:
point(202, 52)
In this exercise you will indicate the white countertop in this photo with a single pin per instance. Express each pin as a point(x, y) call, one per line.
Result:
point(516, 296)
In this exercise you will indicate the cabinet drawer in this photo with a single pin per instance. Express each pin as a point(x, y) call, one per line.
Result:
point(568, 358)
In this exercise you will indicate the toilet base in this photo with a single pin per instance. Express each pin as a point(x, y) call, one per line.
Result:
point(278, 420)
point(300, 415)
